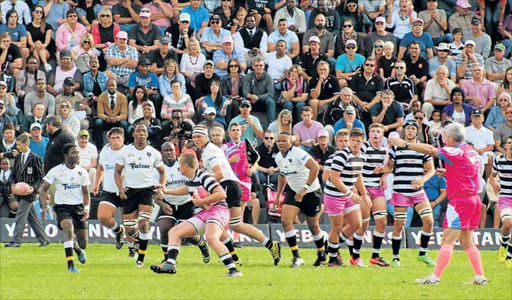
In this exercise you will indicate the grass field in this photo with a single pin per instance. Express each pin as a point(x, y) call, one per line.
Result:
point(30, 272)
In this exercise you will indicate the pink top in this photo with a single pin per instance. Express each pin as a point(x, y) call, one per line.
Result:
point(462, 170)
point(484, 91)
point(66, 39)
point(240, 168)
point(156, 10)
point(306, 133)
point(95, 31)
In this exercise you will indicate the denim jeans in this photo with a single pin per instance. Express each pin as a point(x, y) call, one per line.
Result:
point(269, 105)
point(447, 38)
point(290, 105)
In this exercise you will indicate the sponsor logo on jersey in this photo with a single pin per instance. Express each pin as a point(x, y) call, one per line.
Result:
point(70, 186)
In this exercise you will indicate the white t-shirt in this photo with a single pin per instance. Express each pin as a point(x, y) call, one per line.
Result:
point(480, 138)
point(68, 183)
point(87, 154)
point(293, 167)
point(108, 159)
point(174, 180)
point(277, 67)
point(213, 156)
point(139, 165)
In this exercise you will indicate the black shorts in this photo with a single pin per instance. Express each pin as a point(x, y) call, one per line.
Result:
point(311, 202)
point(111, 199)
point(233, 192)
point(179, 212)
point(137, 197)
point(73, 212)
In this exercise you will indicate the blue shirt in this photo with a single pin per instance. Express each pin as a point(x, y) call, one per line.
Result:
point(434, 63)
point(249, 133)
point(348, 66)
point(164, 85)
point(341, 124)
point(289, 37)
point(221, 55)
point(57, 12)
point(148, 81)
point(197, 17)
point(209, 35)
point(495, 118)
point(16, 33)
point(221, 118)
point(425, 41)
point(39, 148)
point(433, 186)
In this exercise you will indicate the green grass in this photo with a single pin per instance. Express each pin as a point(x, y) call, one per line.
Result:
point(30, 272)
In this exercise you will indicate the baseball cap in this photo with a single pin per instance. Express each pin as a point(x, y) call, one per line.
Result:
point(215, 17)
point(209, 111)
point(144, 62)
point(448, 121)
point(314, 39)
point(122, 35)
point(185, 17)
point(476, 21)
point(209, 62)
point(245, 103)
point(350, 42)
point(443, 46)
point(65, 53)
point(470, 42)
point(145, 14)
point(165, 40)
point(80, 134)
point(380, 19)
point(227, 39)
point(146, 103)
point(499, 46)
point(463, 3)
point(411, 123)
point(3, 83)
point(69, 81)
point(36, 125)
point(477, 112)
point(322, 133)
point(418, 20)
point(350, 110)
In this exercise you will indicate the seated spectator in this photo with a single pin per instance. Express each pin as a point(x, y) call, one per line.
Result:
point(268, 171)
point(371, 9)
point(122, 59)
point(482, 40)
point(505, 34)
point(146, 79)
point(282, 33)
point(161, 13)
point(226, 11)
point(259, 90)
point(443, 58)
point(70, 32)
point(13, 56)
point(332, 18)
point(388, 112)
point(306, 131)
point(21, 9)
point(203, 80)
point(435, 123)
point(37, 116)
point(462, 17)
point(503, 131)
point(279, 64)
point(239, 20)
point(376, 53)
point(55, 80)
point(26, 79)
point(39, 37)
point(222, 57)
point(81, 53)
point(171, 72)
point(458, 111)
point(69, 122)
point(95, 81)
point(216, 100)
point(199, 16)
point(126, 14)
point(424, 134)
point(38, 142)
point(480, 92)
point(40, 95)
point(350, 11)
point(253, 41)
point(436, 23)
point(495, 66)
point(145, 36)
point(326, 39)
point(435, 188)
point(176, 101)
point(482, 139)
point(466, 60)
point(105, 30)
point(310, 59)
point(401, 19)
point(135, 109)
point(437, 92)
point(154, 125)
point(418, 36)
point(404, 88)
point(210, 114)
point(17, 31)
point(112, 111)
point(415, 106)
point(88, 154)
point(159, 56)
point(348, 64)
point(366, 87)
point(349, 121)
point(295, 91)
point(457, 45)
point(8, 147)
point(284, 122)
point(181, 34)
point(251, 126)
point(177, 127)
point(79, 107)
point(348, 34)
point(322, 151)
point(232, 85)
point(380, 33)
point(292, 13)
point(417, 67)
point(10, 101)
point(506, 87)
point(262, 10)
point(192, 64)
point(387, 62)
point(498, 114)
point(5, 120)
point(212, 37)
point(323, 90)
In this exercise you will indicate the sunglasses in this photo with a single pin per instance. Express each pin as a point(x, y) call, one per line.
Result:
point(38, 11)
point(418, 118)
point(64, 106)
point(72, 16)
point(352, 5)
point(104, 16)
point(87, 42)
point(379, 23)
point(400, 67)
point(233, 66)
point(503, 100)
point(417, 24)
point(269, 138)
point(378, 46)
point(369, 65)
point(245, 106)
point(350, 47)
point(347, 26)
point(186, 22)
point(215, 22)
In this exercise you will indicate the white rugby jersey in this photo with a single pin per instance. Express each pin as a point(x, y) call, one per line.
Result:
point(374, 157)
point(68, 183)
point(293, 166)
point(408, 166)
point(174, 180)
point(349, 166)
point(213, 156)
point(108, 159)
point(503, 167)
point(139, 165)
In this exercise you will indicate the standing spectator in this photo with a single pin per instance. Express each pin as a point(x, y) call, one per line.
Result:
point(306, 131)
point(495, 66)
point(70, 32)
point(145, 36)
point(88, 154)
point(482, 40)
point(480, 92)
point(126, 14)
point(58, 138)
point(436, 23)
point(259, 89)
point(112, 111)
point(122, 59)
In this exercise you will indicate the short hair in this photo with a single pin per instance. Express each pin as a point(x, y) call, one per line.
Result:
point(388, 92)
point(67, 147)
point(24, 139)
point(234, 124)
point(342, 132)
point(282, 20)
point(286, 133)
point(259, 59)
point(8, 126)
point(189, 159)
point(54, 120)
point(509, 137)
point(268, 131)
point(347, 89)
point(356, 132)
point(282, 41)
point(307, 108)
point(71, 11)
point(389, 44)
point(323, 62)
point(415, 43)
point(4, 34)
point(436, 111)
point(37, 104)
point(115, 130)
point(456, 131)
point(400, 62)
point(377, 125)
point(442, 67)
point(457, 30)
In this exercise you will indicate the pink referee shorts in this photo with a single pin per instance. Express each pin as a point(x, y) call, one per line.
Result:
point(246, 191)
point(505, 202)
point(375, 192)
point(336, 206)
point(406, 201)
point(463, 213)
point(216, 214)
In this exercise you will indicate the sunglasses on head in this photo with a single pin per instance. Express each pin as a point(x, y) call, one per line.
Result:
point(186, 22)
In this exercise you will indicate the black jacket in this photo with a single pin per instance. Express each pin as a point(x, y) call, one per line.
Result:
point(54, 156)
point(32, 174)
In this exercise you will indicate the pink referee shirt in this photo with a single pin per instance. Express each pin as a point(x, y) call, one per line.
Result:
point(462, 170)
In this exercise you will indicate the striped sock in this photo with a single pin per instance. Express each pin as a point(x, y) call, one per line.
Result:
point(231, 248)
point(358, 243)
point(143, 246)
point(377, 243)
point(68, 249)
point(291, 238)
point(424, 239)
point(173, 254)
point(228, 261)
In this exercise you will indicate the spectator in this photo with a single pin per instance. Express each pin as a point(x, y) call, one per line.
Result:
point(322, 151)
point(135, 109)
point(162, 54)
point(496, 65)
point(9, 100)
point(435, 23)
point(435, 188)
point(482, 40)
point(503, 131)
point(424, 134)
point(95, 81)
point(253, 41)
point(198, 15)
point(38, 142)
point(417, 67)
point(366, 87)
point(81, 53)
point(371, 9)
point(418, 36)
point(268, 171)
point(210, 114)
point(404, 88)
point(21, 8)
point(39, 37)
point(203, 81)
point(332, 19)
point(326, 39)
point(231, 85)
point(443, 58)
point(8, 147)
point(262, 10)
point(145, 36)
point(462, 17)
point(154, 125)
point(348, 34)
point(251, 126)
point(227, 12)
point(9, 52)
point(126, 14)
point(192, 64)
point(213, 36)
point(37, 115)
point(222, 57)
point(295, 90)
point(388, 112)
point(176, 101)
point(306, 131)
point(17, 31)
point(78, 107)
point(40, 95)
point(380, 33)
point(457, 45)
point(415, 106)
point(283, 122)
point(348, 64)
point(466, 60)
point(401, 19)
point(88, 154)
point(4, 118)
point(482, 139)
point(323, 90)
point(104, 31)
point(55, 80)
point(310, 59)
point(349, 121)
point(70, 123)
point(112, 111)
point(294, 15)
point(27, 78)
point(291, 39)
point(58, 138)
point(177, 127)
point(458, 111)
point(505, 34)
point(161, 13)
point(480, 92)
point(259, 89)
point(143, 77)
point(387, 61)
point(279, 64)
point(181, 33)
point(498, 114)
point(70, 32)
point(435, 124)
point(437, 92)
point(216, 100)
point(171, 72)
point(506, 86)
point(122, 59)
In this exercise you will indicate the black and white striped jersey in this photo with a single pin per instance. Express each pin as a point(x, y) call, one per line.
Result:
point(374, 157)
point(503, 167)
point(408, 166)
point(204, 181)
point(349, 166)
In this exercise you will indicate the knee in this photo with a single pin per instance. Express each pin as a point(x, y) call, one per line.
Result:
point(313, 103)
point(212, 238)
point(98, 123)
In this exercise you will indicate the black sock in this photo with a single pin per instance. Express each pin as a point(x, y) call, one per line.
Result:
point(231, 248)
point(172, 255)
point(228, 261)
point(291, 238)
point(143, 246)
point(268, 244)
point(333, 251)
point(358, 242)
point(509, 250)
point(424, 239)
point(350, 245)
point(377, 243)
point(76, 247)
point(69, 256)
point(319, 242)
point(136, 236)
point(164, 250)
point(395, 244)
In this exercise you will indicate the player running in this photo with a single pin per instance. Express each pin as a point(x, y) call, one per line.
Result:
point(298, 178)
point(138, 161)
point(341, 203)
point(175, 209)
point(212, 218)
point(463, 212)
point(110, 200)
point(409, 164)
point(502, 167)
point(71, 183)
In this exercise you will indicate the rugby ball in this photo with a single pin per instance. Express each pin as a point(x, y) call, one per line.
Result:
point(21, 188)
point(202, 193)
point(394, 135)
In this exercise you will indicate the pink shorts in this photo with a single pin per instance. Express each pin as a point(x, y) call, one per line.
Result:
point(217, 214)
point(463, 213)
point(246, 191)
point(407, 201)
point(338, 205)
point(375, 192)
point(504, 202)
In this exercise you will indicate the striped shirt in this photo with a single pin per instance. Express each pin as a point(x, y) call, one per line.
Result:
point(374, 158)
point(350, 167)
point(409, 165)
point(203, 181)
point(503, 167)
point(130, 52)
